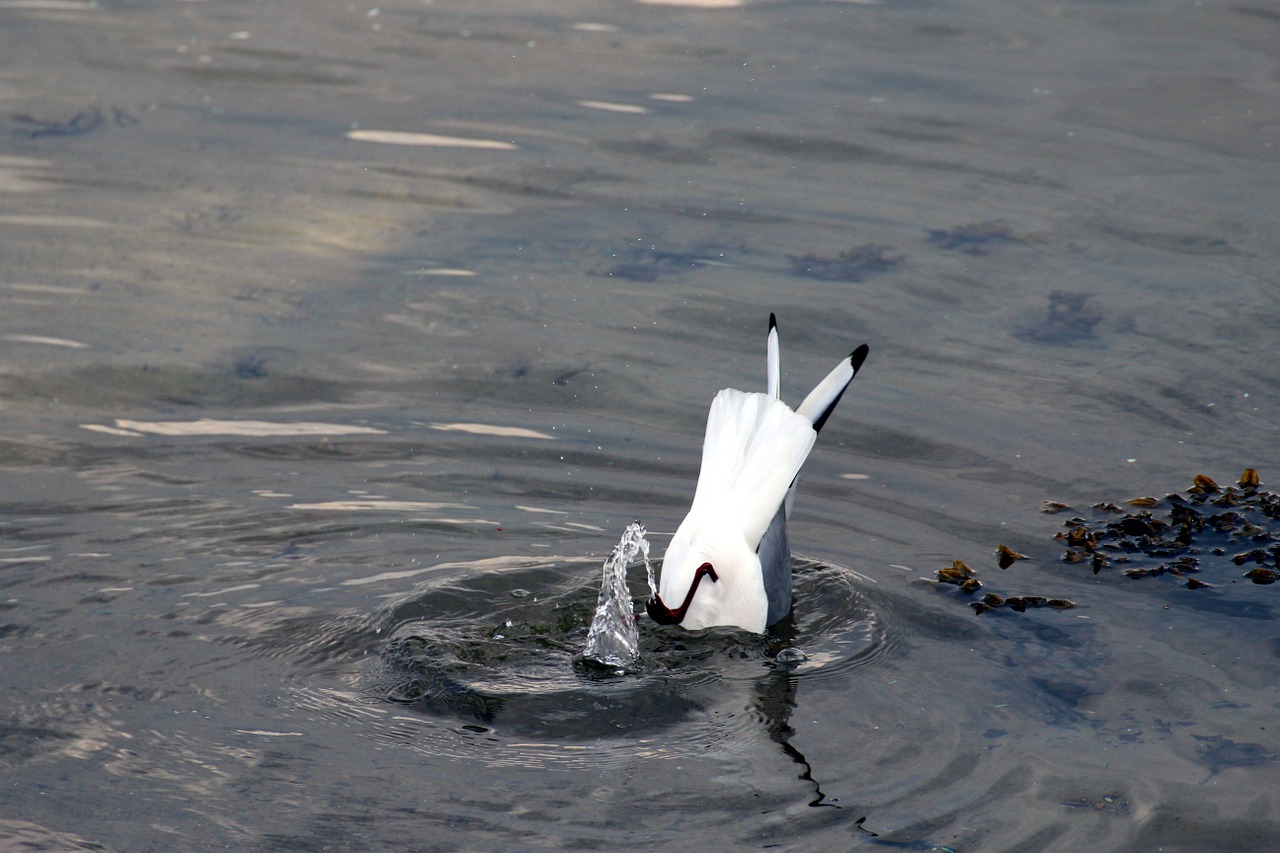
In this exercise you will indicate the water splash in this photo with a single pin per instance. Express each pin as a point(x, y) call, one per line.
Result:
point(613, 639)
point(648, 567)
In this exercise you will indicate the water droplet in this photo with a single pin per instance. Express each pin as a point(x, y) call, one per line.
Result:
point(790, 655)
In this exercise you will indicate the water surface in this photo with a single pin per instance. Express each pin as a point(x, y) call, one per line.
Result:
point(339, 344)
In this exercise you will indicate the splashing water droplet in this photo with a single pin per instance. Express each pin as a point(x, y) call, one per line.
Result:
point(613, 639)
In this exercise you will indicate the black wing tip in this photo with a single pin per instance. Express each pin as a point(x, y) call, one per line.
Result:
point(773, 322)
point(821, 420)
point(857, 357)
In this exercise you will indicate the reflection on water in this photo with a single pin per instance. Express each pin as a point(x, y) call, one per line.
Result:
point(337, 344)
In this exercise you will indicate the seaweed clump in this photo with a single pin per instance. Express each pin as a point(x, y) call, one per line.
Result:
point(960, 574)
point(1183, 533)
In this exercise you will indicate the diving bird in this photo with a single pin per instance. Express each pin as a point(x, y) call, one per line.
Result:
point(729, 562)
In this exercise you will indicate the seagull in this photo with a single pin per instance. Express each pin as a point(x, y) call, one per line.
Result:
point(729, 562)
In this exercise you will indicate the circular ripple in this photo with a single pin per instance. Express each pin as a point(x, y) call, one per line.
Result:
point(476, 667)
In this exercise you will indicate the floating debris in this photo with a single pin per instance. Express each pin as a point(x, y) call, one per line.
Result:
point(1205, 486)
point(1208, 525)
point(1262, 576)
point(1006, 556)
point(853, 265)
point(1019, 603)
point(960, 574)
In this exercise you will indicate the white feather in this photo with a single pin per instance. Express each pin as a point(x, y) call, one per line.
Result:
point(753, 449)
point(827, 391)
point(737, 597)
point(773, 371)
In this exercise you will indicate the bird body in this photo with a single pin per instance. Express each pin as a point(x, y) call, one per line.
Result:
point(729, 562)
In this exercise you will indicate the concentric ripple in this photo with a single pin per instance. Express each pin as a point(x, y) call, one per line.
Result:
point(486, 666)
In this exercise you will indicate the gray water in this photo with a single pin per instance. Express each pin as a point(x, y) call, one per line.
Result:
point(315, 436)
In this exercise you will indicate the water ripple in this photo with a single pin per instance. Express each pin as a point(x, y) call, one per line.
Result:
point(484, 666)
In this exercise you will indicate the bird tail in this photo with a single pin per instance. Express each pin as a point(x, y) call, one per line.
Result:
point(753, 449)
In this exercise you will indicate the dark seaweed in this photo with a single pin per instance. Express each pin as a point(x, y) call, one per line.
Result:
point(853, 265)
point(960, 574)
point(976, 238)
point(1070, 319)
point(1207, 526)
